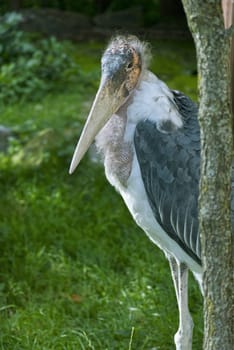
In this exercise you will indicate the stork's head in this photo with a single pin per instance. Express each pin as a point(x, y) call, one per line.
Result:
point(122, 64)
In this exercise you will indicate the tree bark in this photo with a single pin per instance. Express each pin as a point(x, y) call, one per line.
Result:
point(205, 19)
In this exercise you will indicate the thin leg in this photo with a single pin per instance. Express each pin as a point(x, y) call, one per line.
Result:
point(183, 337)
point(174, 273)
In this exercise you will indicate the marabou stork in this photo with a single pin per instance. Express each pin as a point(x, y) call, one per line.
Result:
point(150, 140)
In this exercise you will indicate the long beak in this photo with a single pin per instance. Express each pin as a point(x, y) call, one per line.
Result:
point(106, 103)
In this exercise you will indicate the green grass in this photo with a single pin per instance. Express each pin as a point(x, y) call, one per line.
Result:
point(75, 270)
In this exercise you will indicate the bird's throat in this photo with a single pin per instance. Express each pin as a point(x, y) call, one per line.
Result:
point(117, 153)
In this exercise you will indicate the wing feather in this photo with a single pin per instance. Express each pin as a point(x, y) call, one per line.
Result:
point(170, 164)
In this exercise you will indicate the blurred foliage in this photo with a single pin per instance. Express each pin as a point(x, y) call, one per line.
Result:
point(30, 66)
point(88, 7)
point(150, 8)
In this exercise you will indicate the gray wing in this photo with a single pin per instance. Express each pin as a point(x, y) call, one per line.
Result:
point(170, 168)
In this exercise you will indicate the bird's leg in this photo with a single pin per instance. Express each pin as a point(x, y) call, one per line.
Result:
point(183, 337)
point(179, 272)
point(174, 273)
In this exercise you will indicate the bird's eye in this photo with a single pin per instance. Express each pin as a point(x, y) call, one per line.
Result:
point(130, 65)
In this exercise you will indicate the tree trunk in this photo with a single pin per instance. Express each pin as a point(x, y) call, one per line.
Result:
point(205, 19)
